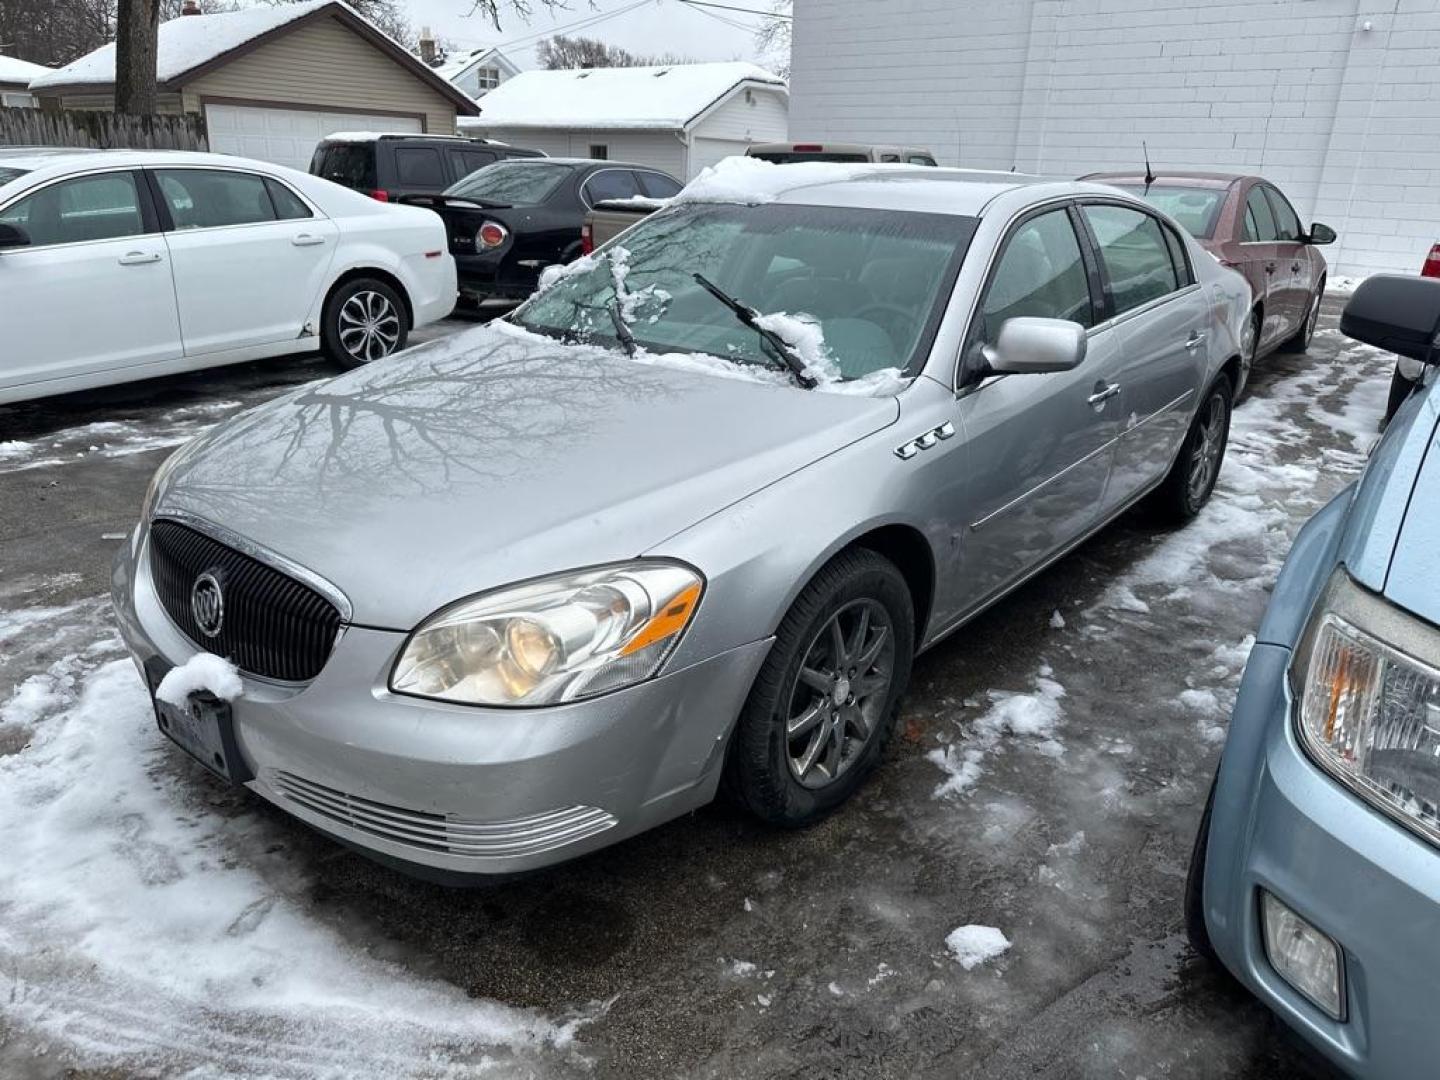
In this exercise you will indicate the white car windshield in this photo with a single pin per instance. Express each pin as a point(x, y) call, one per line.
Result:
point(872, 282)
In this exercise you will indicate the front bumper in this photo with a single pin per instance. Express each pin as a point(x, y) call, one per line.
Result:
point(454, 789)
point(1281, 824)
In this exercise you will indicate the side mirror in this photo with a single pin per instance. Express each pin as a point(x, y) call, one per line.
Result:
point(1396, 313)
point(1029, 346)
point(1320, 234)
point(13, 236)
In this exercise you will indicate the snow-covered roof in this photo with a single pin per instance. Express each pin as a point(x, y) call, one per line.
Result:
point(597, 98)
point(460, 63)
point(15, 70)
point(185, 43)
point(191, 43)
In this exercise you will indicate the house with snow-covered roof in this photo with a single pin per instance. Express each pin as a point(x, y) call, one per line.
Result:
point(15, 76)
point(477, 71)
point(272, 81)
point(678, 118)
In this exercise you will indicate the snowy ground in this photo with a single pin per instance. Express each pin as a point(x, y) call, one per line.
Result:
point(1003, 899)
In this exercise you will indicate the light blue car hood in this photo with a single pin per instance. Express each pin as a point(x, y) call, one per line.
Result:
point(1392, 538)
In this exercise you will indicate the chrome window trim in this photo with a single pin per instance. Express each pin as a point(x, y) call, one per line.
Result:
point(272, 559)
point(12, 252)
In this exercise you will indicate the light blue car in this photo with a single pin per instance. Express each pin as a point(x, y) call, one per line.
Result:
point(1316, 873)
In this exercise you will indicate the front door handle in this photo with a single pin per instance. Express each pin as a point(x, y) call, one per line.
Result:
point(139, 258)
point(1103, 392)
point(1195, 340)
point(1269, 268)
point(306, 239)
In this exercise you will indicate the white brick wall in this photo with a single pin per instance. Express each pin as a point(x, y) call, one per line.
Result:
point(1345, 120)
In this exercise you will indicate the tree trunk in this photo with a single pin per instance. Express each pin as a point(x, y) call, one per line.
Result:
point(137, 27)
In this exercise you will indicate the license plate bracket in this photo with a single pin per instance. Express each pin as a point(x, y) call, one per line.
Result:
point(203, 727)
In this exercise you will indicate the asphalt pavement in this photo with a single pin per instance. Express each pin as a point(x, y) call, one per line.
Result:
point(714, 947)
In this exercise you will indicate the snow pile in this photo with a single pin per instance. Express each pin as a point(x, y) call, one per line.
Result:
point(973, 945)
point(557, 272)
point(155, 924)
point(805, 336)
point(753, 181)
point(203, 671)
point(1034, 716)
point(666, 97)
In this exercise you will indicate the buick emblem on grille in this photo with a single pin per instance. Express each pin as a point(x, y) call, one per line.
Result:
point(207, 604)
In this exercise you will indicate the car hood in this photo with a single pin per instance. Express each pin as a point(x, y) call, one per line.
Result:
point(1390, 541)
point(493, 457)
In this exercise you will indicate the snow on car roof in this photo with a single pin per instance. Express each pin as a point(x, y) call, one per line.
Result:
point(599, 98)
point(185, 43)
point(15, 70)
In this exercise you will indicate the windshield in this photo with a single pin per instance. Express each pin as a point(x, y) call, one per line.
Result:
point(514, 183)
point(6, 175)
point(1194, 208)
point(872, 282)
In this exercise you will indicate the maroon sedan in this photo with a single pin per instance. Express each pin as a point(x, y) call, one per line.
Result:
point(1247, 224)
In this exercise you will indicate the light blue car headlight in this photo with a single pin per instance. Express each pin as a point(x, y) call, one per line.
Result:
point(557, 639)
point(1368, 679)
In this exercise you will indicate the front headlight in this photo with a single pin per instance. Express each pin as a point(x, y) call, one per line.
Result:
point(1369, 689)
point(557, 639)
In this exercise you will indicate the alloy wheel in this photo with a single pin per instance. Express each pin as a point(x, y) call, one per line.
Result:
point(840, 694)
point(369, 326)
point(1209, 444)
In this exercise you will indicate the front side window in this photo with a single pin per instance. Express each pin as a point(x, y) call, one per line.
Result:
point(88, 208)
point(214, 198)
point(1287, 223)
point(512, 183)
point(873, 281)
point(419, 166)
point(1041, 274)
point(1134, 254)
point(469, 161)
point(1259, 218)
point(611, 184)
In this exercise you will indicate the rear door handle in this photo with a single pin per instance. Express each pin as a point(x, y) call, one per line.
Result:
point(1195, 340)
point(1103, 392)
point(1269, 268)
point(306, 239)
point(139, 258)
point(1294, 268)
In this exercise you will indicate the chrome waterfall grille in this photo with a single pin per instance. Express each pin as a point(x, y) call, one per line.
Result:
point(227, 602)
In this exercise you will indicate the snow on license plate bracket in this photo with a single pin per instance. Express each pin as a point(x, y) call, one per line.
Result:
point(204, 729)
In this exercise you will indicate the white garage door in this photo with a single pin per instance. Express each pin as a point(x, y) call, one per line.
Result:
point(704, 152)
point(287, 136)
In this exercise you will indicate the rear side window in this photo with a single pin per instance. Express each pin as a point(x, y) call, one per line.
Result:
point(349, 164)
point(212, 198)
point(1135, 255)
point(1287, 224)
point(104, 207)
point(611, 184)
point(1259, 218)
point(658, 186)
point(1040, 274)
point(418, 166)
point(1183, 274)
point(288, 205)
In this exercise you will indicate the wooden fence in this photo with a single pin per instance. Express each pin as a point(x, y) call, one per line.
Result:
point(101, 130)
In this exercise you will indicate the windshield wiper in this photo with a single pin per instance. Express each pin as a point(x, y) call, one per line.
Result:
point(751, 318)
point(622, 331)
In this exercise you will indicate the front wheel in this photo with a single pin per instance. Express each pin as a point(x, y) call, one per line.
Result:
point(826, 697)
point(1187, 486)
point(1300, 340)
point(1195, 928)
point(364, 321)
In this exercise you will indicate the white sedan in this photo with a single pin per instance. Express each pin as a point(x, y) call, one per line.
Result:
point(121, 265)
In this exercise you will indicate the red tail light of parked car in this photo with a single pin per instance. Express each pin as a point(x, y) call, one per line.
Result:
point(1432, 263)
point(380, 195)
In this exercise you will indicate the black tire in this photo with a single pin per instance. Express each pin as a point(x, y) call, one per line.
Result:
point(1195, 928)
point(1178, 499)
point(759, 770)
point(1299, 341)
point(1247, 363)
point(391, 324)
point(1400, 389)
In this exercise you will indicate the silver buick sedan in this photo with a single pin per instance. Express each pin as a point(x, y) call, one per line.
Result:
point(685, 518)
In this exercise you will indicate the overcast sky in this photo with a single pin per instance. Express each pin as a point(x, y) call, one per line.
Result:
point(654, 26)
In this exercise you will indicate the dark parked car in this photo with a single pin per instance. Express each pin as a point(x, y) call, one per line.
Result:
point(1246, 223)
point(387, 167)
point(509, 221)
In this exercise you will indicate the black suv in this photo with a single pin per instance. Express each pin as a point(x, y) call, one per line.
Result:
point(385, 167)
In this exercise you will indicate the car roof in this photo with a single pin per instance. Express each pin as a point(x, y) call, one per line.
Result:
point(1172, 176)
point(33, 157)
point(915, 188)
